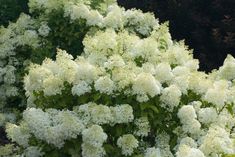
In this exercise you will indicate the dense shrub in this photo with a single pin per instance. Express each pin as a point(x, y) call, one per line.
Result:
point(32, 38)
point(207, 26)
point(122, 88)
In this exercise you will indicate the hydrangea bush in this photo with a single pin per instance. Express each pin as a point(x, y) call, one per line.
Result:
point(54, 24)
point(132, 92)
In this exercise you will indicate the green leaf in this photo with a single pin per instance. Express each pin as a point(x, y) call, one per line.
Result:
point(231, 155)
point(149, 106)
point(119, 131)
point(108, 148)
point(96, 96)
point(139, 155)
point(54, 153)
point(230, 109)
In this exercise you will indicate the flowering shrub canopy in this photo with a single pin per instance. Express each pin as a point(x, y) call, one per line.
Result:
point(132, 91)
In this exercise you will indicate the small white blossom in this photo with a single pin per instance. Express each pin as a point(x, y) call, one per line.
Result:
point(81, 88)
point(44, 30)
point(217, 140)
point(143, 127)
point(18, 134)
point(145, 85)
point(186, 151)
point(217, 94)
point(89, 150)
point(52, 86)
point(227, 71)
point(152, 152)
point(189, 142)
point(186, 113)
point(114, 17)
point(127, 143)
point(207, 115)
point(94, 136)
point(105, 85)
point(193, 127)
point(122, 113)
point(33, 151)
point(163, 72)
point(171, 96)
point(101, 114)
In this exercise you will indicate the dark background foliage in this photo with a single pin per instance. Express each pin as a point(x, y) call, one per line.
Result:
point(208, 26)
point(11, 9)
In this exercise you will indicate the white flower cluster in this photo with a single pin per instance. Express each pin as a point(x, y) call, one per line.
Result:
point(52, 126)
point(15, 35)
point(116, 17)
point(110, 66)
point(152, 152)
point(126, 72)
point(145, 84)
point(207, 115)
point(162, 145)
point(96, 114)
point(93, 139)
point(216, 141)
point(45, 5)
point(127, 143)
point(33, 152)
point(7, 117)
point(143, 127)
point(55, 127)
point(170, 97)
point(187, 116)
point(25, 32)
point(186, 151)
point(105, 85)
point(92, 113)
point(122, 113)
point(44, 29)
point(19, 134)
point(217, 93)
point(227, 71)
point(31, 33)
point(190, 113)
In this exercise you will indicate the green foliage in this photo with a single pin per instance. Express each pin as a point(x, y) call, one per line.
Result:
point(66, 35)
point(11, 9)
point(231, 155)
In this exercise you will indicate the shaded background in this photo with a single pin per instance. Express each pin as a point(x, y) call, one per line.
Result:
point(11, 9)
point(208, 26)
